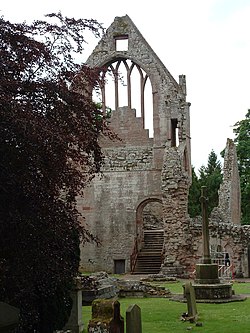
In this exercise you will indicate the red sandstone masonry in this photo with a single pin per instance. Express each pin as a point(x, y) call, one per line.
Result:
point(139, 169)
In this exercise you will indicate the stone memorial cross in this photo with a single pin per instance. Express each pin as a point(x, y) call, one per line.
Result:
point(205, 232)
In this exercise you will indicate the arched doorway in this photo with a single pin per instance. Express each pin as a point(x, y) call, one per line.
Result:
point(148, 216)
point(149, 237)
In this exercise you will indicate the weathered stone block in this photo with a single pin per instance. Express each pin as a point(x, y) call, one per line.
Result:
point(106, 317)
point(213, 291)
point(207, 273)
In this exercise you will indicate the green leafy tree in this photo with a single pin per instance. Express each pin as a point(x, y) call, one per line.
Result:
point(194, 207)
point(242, 141)
point(48, 136)
point(209, 176)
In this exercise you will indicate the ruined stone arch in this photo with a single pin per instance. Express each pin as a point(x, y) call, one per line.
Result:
point(125, 81)
point(139, 212)
point(111, 59)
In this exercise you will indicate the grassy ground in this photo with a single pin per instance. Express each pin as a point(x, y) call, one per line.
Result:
point(160, 315)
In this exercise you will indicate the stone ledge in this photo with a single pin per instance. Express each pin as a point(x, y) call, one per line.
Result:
point(234, 298)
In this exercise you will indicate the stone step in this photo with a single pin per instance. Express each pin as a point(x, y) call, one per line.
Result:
point(152, 231)
point(151, 249)
point(153, 271)
point(160, 246)
point(148, 263)
point(152, 241)
point(149, 258)
point(147, 253)
point(157, 246)
point(148, 268)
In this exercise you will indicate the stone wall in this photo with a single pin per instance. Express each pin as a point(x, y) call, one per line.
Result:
point(128, 159)
point(116, 194)
point(113, 204)
point(233, 239)
point(229, 193)
point(183, 236)
point(175, 185)
point(139, 170)
point(185, 245)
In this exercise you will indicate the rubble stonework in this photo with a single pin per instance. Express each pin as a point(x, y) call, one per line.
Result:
point(120, 159)
point(175, 185)
point(229, 193)
point(233, 239)
point(139, 171)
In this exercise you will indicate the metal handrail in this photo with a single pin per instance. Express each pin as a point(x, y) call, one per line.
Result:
point(133, 256)
point(163, 252)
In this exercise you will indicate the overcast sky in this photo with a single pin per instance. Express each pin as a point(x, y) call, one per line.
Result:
point(207, 40)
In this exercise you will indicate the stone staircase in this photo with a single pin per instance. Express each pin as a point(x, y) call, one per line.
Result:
point(149, 258)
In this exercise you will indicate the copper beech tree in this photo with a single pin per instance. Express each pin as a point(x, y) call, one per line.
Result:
point(49, 131)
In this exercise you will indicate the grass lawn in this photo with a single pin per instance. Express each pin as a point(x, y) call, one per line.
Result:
point(160, 315)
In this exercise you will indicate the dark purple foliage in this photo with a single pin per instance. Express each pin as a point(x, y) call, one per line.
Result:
point(48, 152)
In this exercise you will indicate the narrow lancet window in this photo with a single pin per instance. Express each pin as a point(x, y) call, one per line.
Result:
point(174, 133)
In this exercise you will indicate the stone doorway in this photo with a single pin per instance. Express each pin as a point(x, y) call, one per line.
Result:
point(147, 255)
point(119, 266)
point(148, 217)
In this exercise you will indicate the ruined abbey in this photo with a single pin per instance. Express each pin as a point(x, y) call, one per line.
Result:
point(137, 207)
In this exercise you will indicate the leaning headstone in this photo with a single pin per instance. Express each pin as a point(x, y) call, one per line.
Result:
point(75, 324)
point(133, 319)
point(9, 316)
point(106, 317)
point(191, 301)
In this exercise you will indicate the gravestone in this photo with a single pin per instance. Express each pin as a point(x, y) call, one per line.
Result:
point(133, 319)
point(191, 301)
point(9, 316)
point(106, 317)
point(75, 324)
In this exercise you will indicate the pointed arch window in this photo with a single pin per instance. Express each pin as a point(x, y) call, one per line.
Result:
point(125, 83)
